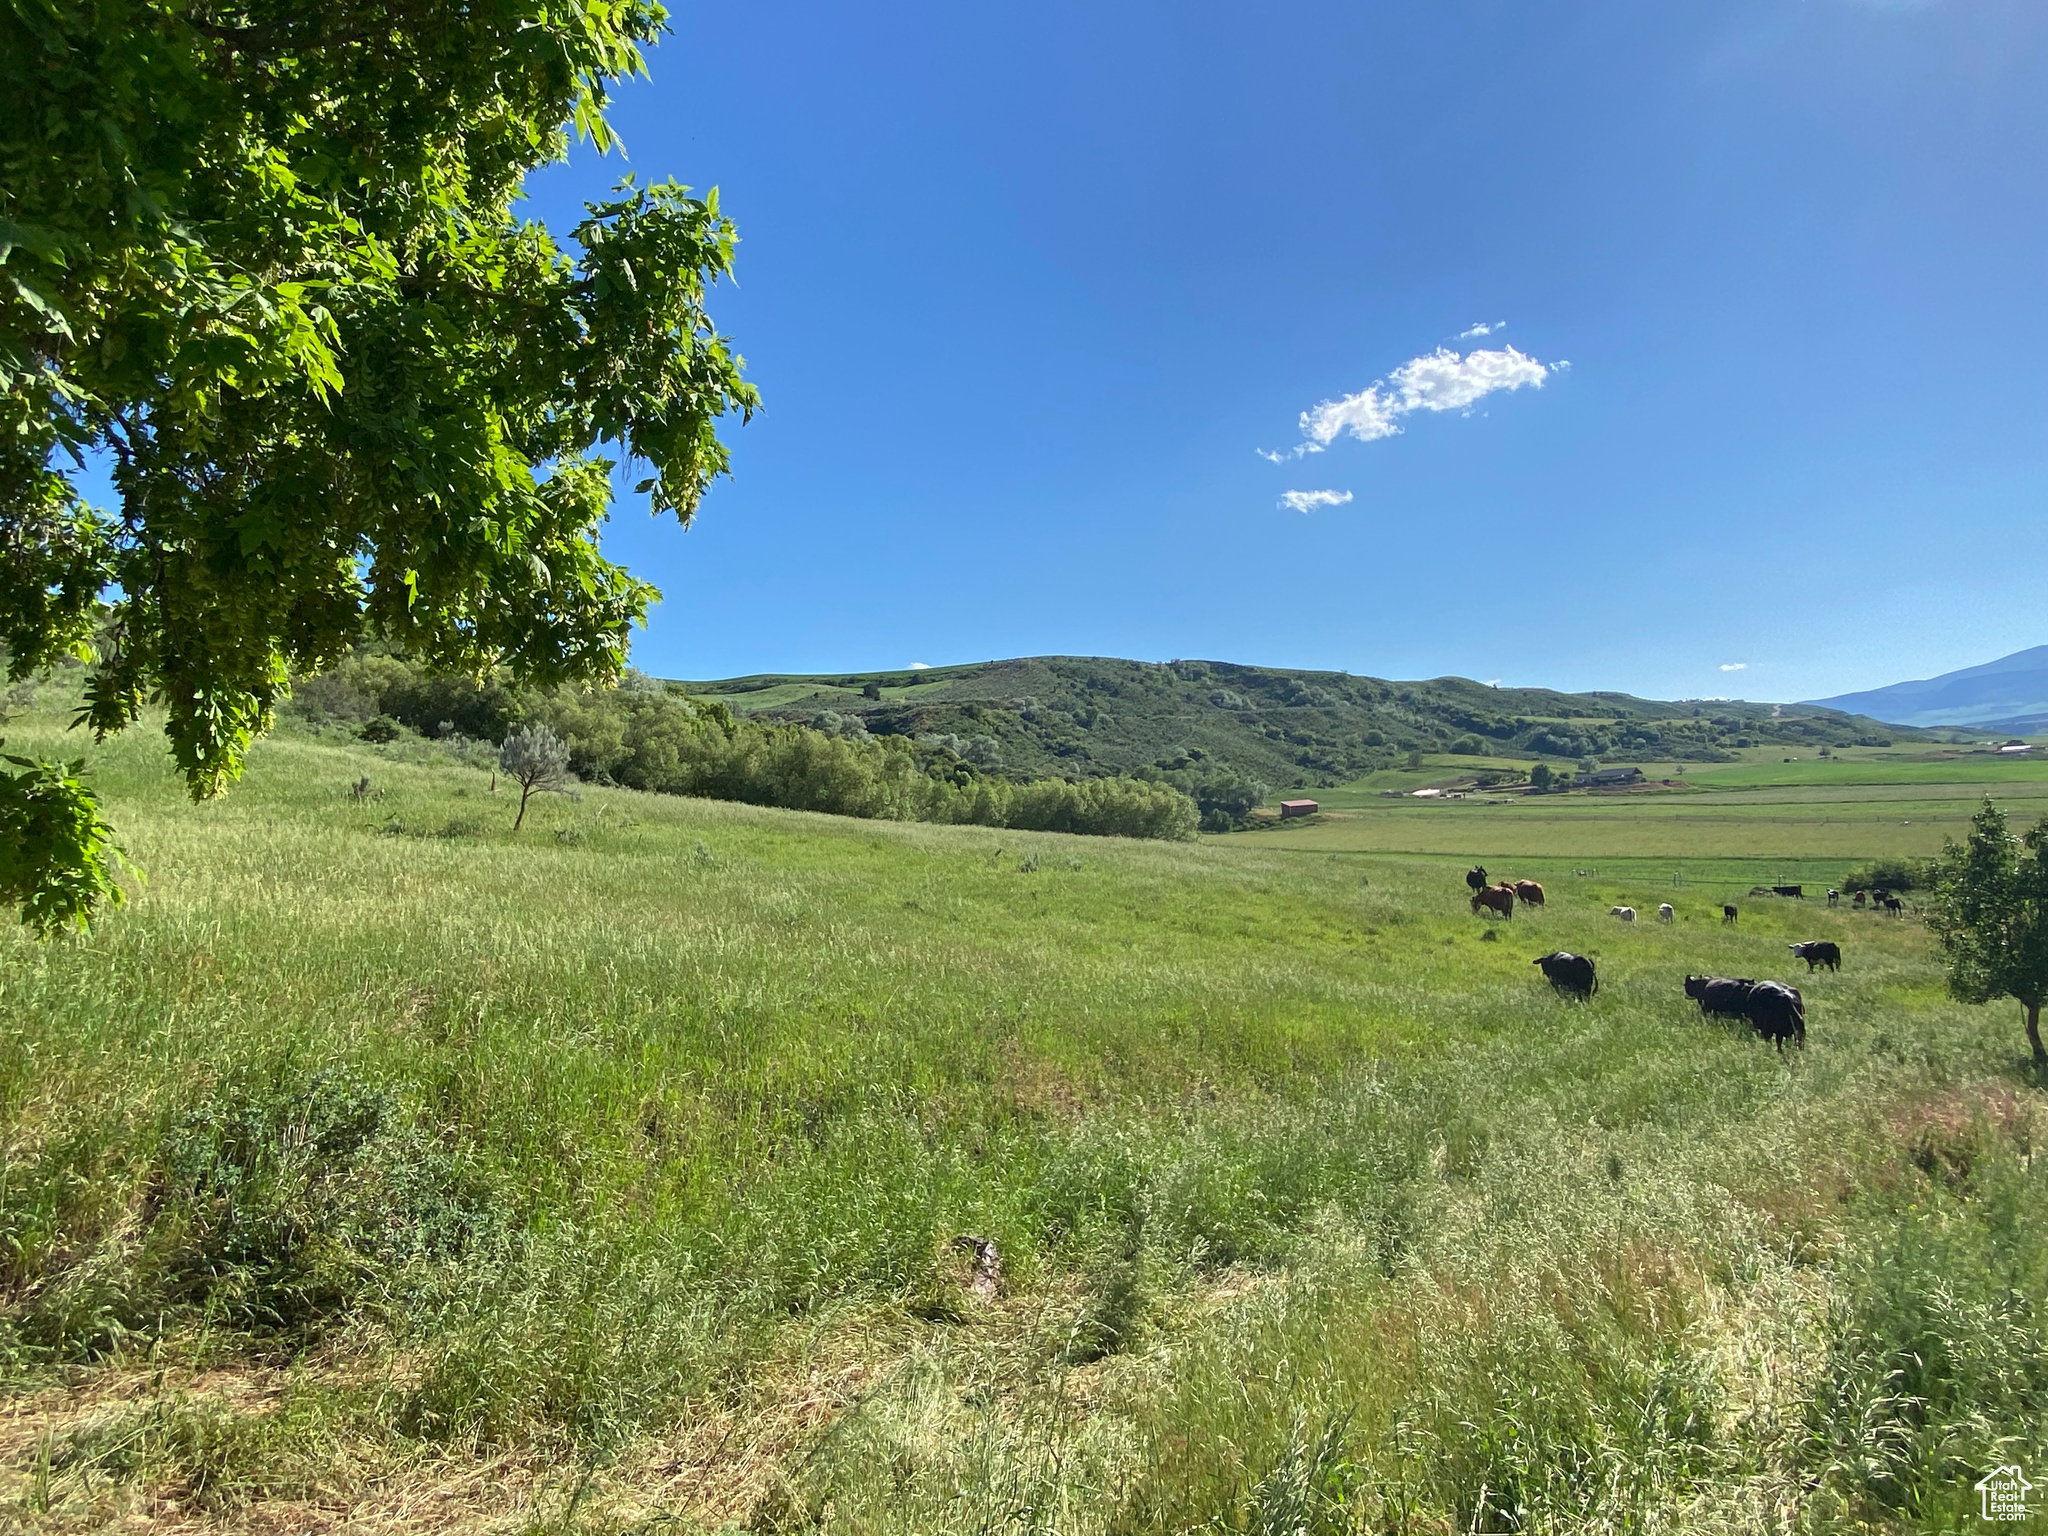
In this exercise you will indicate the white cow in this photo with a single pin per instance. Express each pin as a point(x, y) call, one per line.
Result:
point(1626, 914)
point(1664, 913)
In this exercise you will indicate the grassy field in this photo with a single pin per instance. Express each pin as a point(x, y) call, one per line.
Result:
point(1869, 805)
point(377, 1170)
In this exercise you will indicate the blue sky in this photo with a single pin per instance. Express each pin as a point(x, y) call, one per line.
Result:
point(1028, 288)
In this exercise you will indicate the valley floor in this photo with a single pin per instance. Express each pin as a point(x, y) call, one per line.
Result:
point(677, 1165)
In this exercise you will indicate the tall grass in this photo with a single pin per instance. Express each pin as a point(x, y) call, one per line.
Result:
point(348, 1161)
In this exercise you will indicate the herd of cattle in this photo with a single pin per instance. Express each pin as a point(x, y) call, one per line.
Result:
point(1774, 1009)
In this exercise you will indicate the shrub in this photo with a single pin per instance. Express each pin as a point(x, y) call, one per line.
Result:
point(1888, 875)
point(536, 759)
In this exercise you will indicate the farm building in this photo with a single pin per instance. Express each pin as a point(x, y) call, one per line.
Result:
point(1297, 808)
point(1608, 778)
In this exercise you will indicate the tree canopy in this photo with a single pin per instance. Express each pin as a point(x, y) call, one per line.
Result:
point(267, 258)
point(1990, 911)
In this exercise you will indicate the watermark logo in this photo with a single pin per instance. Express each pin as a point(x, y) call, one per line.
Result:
point(2004, 1491)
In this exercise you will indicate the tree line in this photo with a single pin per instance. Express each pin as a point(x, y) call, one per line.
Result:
point(646, 735)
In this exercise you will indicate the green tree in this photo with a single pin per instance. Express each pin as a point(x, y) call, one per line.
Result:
point(1989, 908)
point(265, 257)
point(1539, 776)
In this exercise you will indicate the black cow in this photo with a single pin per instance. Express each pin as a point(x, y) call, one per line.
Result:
point(1894, 907)
point(1569, 972)
point(1777, 1012)
point(1475, 877)
point(1789, 890)
point(1727, 914)
point(1725, 996)
point(1819, 952)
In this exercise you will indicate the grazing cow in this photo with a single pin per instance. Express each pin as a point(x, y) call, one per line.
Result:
point(1777, 1012)
point(1858, 900)
point(1626, 914)
point(1719, 996)
point(1817, 953)
point(1528, 893)
point(1789, 890)
point(1893, 907)
point(1834, 897)
point(1569, 972)
point(1728, 914)
point(1880, 896)
point(1475, 877)
point(1495, 898)
point(1665, 914)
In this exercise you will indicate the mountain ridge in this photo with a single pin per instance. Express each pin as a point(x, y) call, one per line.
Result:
point(2010, 693)
point(1086, 716)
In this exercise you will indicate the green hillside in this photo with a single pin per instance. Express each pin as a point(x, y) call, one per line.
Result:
point(1090, 716)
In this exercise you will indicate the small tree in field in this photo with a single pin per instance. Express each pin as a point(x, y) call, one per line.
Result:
point(1990, 911)
point(535, 758)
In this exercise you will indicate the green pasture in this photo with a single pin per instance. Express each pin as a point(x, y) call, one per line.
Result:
point(378, 1169)
point(1873, 769)
point(1826, 813)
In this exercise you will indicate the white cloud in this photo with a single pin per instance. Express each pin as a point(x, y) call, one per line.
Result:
point(1482, 328)
point(1308, 501)
point(1734, 666)
point(1367, 416)
point(1437, 381)
point(1444, 381)
point(920, 666)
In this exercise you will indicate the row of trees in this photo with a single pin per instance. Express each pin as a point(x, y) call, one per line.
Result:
point(644, 736)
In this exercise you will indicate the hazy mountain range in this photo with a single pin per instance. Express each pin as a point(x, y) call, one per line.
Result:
point(2009, 694)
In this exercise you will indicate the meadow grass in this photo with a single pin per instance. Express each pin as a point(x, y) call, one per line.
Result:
point(377, 1166)
point(1854, 813)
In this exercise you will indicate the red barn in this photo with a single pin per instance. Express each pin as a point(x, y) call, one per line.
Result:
point(1297, 808)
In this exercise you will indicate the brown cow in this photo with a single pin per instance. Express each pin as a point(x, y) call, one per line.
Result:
point(1495, 898)
point(1529, 893)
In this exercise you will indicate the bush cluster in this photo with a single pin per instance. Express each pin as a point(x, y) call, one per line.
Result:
point(1888, 875)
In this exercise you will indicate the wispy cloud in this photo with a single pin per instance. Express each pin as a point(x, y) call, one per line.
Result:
point(1442, 380)
point(1734, 666)
point(1482, 328)
point(920, 666)
point(1308, 501)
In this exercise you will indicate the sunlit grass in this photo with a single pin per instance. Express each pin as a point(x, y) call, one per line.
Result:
point(373, 1148)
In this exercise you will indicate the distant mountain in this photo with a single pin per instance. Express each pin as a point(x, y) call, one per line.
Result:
point(1082, 716)
point(2008, 694)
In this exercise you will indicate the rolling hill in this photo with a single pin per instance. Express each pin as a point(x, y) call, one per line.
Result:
point(1081, 716)
point(2009, 694)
